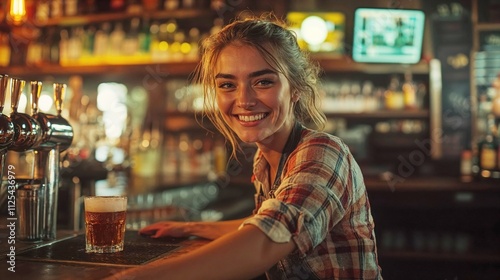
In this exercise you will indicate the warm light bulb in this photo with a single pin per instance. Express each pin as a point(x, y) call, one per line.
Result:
point(314, 30)
point(17, 11)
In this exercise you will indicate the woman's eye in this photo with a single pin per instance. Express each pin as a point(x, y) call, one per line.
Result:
point(225, 85)
point(264, 83)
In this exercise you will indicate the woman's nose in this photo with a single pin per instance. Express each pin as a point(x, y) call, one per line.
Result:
point(246, 98)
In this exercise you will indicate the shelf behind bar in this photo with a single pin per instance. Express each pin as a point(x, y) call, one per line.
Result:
point(161, 68)
point(346, 64)
point(98, 18)
point(445, 257)
point(382, 114)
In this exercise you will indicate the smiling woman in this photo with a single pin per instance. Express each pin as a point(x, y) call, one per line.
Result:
point(225, 51)
point(312, 217)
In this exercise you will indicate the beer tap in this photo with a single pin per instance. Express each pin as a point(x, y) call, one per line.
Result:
point(26, 128)
point(44, 136)
point(55, 130)
point(56, 136)
point(6, 125)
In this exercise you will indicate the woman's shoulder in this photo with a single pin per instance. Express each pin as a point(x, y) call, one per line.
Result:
point(315, 138)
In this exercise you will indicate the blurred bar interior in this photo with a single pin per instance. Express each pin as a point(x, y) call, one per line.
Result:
point(413, 89)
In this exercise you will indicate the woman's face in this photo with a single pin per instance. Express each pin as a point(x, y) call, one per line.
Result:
point(255, 100)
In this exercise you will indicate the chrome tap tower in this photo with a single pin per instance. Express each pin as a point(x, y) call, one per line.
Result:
point(42, 136)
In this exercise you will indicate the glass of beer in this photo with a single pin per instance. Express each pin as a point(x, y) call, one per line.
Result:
point(105, 223)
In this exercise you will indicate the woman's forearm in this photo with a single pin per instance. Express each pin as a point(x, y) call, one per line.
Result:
point(212, 230)
point(243, 254)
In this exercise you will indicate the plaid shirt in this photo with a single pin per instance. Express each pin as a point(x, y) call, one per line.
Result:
point(322, 205)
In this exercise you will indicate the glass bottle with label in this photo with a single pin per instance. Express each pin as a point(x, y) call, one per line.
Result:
point(498, 147)
point(488, 149)
point(4, 50)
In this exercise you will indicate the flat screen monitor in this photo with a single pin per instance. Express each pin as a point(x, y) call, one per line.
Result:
point(321, 32)
point(388, 35)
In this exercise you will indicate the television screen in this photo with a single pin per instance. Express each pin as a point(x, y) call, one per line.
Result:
point(319, 31)
point(388, 35)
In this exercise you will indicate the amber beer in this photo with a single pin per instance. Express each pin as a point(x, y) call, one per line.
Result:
point(105, 223)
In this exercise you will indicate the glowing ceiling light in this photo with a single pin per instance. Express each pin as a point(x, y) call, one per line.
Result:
point(17, 12)
point(314, 30)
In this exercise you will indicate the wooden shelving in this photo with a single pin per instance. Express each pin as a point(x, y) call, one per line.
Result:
point(346, 64)
point(443, 257)
point(161, 69)
point(382, 114)
point(98, 18)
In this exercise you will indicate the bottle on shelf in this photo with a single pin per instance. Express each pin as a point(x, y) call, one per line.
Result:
point(130, 45)
point(4, 50)
point(88, 41)
point(75, 43)
point(498, 147)
point(34, 53)
point(488, 150)
point(495, 106)
point(42, 10)
point(63, 47)
point(409, 92)
point(171, 5)
point(101, 40)
point(116, 38)
point(466, 166)
point(56, 8)
point(394, 95)
point(70, 8)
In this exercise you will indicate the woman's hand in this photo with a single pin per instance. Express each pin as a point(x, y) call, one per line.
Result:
point(164, 229)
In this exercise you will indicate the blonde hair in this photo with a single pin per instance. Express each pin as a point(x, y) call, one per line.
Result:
point(278, 46)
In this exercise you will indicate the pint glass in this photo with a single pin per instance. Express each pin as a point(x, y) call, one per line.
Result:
point(105, 223)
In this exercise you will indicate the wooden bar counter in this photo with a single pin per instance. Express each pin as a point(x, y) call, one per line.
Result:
point(44, 261)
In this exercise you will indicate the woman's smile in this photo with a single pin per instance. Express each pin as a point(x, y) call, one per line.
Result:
point(254, 118)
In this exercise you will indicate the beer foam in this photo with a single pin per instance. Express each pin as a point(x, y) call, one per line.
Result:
point(105, 204)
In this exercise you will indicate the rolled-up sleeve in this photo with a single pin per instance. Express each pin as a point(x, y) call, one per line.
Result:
point(311, 198)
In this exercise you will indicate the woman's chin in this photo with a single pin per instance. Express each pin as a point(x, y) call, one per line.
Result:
point(248, 138)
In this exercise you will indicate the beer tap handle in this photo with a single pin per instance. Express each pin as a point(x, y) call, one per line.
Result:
point(17, 89)
point(4, 81)
point(59, 92)
point(36, 89)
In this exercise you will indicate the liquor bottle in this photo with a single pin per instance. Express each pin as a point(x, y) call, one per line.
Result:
point(145, 37)
point(56, 8)
point(466, 166)
point(4, 50)
point(394, 95)
point(75, 43)
point(42, 10)
point(88, 41)
point(101, 40)
point(116, 38)
point(34, 53)
point(171, 4)
point(488, 150)
point(54, 48)
point(131, 40)
point(63, 47)
point(495, 106)
point(409, 92)
point(498, 147)
point(70, 8)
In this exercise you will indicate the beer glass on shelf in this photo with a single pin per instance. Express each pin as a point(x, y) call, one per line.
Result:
point(105, 223)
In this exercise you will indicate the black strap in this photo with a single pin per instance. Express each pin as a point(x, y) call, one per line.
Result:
point(291, 143)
